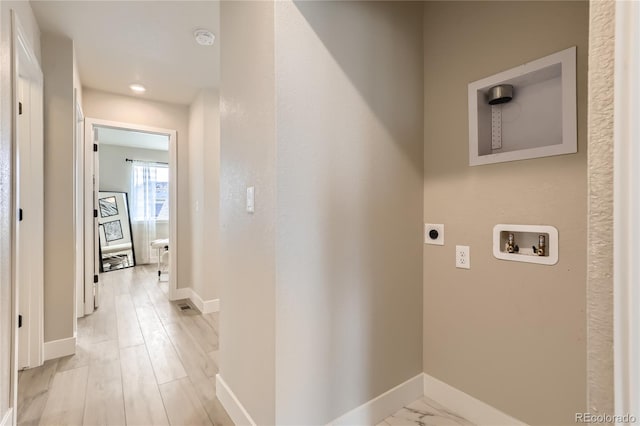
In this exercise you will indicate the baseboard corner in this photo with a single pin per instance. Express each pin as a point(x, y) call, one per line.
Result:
point(204, 306)
point(232, 404)
point(59, 348)
point(377, 409)
point(182, 293)
point(465, 405)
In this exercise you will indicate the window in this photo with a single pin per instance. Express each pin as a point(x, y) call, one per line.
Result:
point(149, 191)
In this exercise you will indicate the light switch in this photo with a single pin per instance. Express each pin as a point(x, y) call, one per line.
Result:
point(251, 200)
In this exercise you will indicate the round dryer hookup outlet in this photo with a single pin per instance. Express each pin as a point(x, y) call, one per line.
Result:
point(434, 234)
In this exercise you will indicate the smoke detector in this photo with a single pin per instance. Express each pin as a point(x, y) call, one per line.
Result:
point(204, 37)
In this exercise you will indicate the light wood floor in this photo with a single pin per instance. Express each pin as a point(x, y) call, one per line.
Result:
point(140, 360)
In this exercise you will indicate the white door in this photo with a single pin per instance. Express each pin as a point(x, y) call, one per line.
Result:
point(23, 272)
point(91, 247)
point(29, 226)
point(96, 236)
point(78, 200)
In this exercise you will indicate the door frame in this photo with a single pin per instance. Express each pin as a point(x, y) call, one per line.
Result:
point(78, 200)
point(626, 210)
point(24, 60)
point(90, 124)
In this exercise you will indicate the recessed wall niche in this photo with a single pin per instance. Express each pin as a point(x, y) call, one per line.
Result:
point(533, 111)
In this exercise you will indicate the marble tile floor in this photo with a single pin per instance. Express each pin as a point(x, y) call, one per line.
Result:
point(139, 360)
point(424, 412)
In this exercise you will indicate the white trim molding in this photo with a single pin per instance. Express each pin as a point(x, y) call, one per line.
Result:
point(7, 420)
point(232, 404)
point(464, 405)
point(626, 209)
point(204, 306)
point(379, 408)
point(90, 124)
point(181, 293)
point(382, 406)
point(59, 348)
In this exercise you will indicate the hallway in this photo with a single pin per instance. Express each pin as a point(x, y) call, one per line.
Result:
point(140, 360)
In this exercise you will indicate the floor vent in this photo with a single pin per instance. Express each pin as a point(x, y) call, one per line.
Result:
point(184, 306)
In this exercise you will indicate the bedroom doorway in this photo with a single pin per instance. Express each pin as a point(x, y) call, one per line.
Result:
point(129, 194)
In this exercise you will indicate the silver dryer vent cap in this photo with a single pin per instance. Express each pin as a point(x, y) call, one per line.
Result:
point(500, 94)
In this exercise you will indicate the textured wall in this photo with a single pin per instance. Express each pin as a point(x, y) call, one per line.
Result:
point(349, 234)
point(508, 333)
point(247, 158)
point(600, 233)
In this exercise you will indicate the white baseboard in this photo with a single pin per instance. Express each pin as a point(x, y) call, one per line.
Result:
point(59, 348)
point(211, 306)
point(204, 306)
point(7, 420)
point(465, 405)
point(182, 293)
point(231, 403)
point(374, 411)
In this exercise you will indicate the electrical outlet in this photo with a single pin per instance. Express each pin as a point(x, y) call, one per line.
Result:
point(434, 234)
point(463, 257)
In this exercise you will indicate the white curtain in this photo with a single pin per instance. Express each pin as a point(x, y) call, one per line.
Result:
point(149, 207)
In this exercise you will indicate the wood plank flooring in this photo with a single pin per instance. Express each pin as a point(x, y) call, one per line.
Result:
point(140, 360)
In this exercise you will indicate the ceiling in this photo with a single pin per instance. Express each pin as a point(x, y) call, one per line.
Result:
point(149, 42)
point(132, 139)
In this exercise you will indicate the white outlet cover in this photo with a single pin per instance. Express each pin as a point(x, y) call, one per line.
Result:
point(439, 227)
point(463, 257)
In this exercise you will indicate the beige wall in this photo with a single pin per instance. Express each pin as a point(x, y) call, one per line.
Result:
point(510, 334)
point(204, 193)
point(600, 237)
point(247, 158)
point(30, 26)
point(338, 205)
point(59, 226)
point(349, 104)
point(126, 109)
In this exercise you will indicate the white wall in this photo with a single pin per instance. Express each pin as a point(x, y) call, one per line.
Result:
point(204, 193)
point(27, 19)
point(126, 109)
point(115, 172)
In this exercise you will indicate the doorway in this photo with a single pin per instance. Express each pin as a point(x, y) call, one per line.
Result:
point(129, 194)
